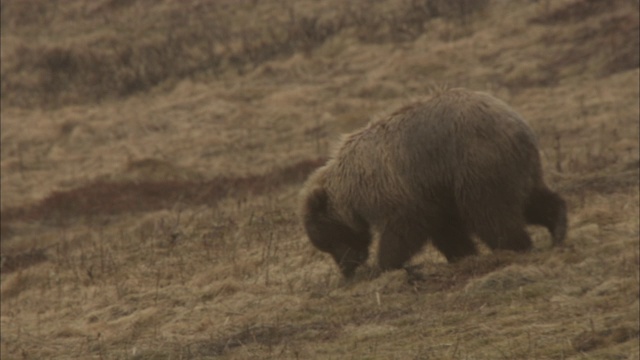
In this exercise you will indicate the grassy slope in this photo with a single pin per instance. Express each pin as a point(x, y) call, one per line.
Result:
point(222, 268)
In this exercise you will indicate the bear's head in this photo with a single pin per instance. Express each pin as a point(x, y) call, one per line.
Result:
point(348, 246)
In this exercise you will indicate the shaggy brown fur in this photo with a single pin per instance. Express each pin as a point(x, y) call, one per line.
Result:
point(458, 164)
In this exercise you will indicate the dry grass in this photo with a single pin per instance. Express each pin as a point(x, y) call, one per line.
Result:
point(151, 165)
point(82, 62)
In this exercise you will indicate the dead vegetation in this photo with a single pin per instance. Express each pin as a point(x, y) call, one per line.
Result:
point(151, 165)
point(196, 41)
point(112, 198)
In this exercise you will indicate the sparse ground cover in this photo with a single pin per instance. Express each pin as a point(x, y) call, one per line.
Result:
point(151, 165)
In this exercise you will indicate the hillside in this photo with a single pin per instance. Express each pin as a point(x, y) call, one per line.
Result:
point(152, 153)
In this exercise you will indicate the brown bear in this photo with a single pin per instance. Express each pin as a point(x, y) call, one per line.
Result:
point(461, 163)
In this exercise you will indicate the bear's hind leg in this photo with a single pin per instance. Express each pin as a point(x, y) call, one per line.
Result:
point(501, 226)
point(505, 235)
point(496, 216)
point(546, 208)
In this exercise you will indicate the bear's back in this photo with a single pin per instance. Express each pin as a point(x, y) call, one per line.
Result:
point(456, 139)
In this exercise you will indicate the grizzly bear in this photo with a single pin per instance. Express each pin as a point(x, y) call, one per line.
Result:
point(461, 163)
